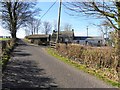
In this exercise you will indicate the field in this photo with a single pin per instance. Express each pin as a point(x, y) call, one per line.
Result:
point(3, 39)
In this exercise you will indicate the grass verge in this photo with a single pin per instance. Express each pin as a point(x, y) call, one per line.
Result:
point(81, 67)
point(5, 57)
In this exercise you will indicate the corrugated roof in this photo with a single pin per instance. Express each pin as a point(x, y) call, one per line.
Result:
point(81, 37)
point(38, 36)
point(87, 38)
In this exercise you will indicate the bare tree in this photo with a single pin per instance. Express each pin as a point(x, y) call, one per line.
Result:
point(38, 23)
point(105, 28)
point(33, 25)
point(67, 27)
point(47, 27)
point(55, 25)
point(107, 10)
point(16, 13)
point(27, 32)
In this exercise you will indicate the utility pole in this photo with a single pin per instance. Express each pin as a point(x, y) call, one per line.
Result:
point(87, 31)
point(59, 15)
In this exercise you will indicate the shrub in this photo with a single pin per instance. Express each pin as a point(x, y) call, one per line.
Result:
point(4, 44)
point(97, 58)
point(9, 46)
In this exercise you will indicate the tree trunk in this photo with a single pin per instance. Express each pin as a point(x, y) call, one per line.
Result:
point(46, 33)
point(13, 34)
point(34, 30)
point(117, 44)
point(117, 52)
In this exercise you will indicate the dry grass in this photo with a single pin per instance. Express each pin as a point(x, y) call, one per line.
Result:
point(98, 59)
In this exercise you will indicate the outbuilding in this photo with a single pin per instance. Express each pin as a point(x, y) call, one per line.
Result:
point(40, 39)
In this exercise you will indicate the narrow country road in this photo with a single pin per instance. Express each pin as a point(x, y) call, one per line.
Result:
point(32, 67)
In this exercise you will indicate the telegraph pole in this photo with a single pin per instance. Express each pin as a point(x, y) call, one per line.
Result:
point(59, 15)
point(87, 31)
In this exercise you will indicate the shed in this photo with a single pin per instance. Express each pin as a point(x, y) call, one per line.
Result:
point(40, 39)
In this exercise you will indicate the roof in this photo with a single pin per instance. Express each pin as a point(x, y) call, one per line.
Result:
point(37, 36)
point(81, 37)
point(87, 38)
point(64, 33)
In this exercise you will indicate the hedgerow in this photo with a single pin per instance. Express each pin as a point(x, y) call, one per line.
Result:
point(98, 59)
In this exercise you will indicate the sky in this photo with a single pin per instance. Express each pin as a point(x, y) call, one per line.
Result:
point(79, 24)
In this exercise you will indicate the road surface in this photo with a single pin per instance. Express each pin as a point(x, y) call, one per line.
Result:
point(31, 67)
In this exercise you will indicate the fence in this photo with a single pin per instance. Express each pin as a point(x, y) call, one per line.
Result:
point(52, 44)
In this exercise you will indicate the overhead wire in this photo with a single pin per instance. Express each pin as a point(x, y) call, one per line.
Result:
point(48, 9)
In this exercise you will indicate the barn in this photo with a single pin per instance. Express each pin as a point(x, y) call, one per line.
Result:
point(40, 39)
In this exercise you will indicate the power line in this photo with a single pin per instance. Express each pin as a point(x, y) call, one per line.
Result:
point(48, 9)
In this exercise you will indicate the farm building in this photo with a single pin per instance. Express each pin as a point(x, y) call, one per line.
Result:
point(39, 39)
point(64, 36)
point(87, 40)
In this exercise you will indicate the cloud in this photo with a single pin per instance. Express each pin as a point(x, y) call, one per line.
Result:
point(4, 32)
point(21, 33)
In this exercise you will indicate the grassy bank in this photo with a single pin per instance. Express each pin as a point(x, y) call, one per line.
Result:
point(98, 73)
point(6, 52)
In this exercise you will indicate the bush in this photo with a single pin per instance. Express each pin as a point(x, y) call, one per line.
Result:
point(94, 57)
point(102, 58)
point(6, 52)
point(4, 44)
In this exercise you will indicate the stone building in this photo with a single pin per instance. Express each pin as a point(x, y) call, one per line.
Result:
point(39, 39)
point(64, 36)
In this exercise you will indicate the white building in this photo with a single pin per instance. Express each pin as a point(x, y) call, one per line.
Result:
point(93, 41)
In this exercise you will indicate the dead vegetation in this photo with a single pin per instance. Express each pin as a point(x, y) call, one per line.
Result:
point(99, 59)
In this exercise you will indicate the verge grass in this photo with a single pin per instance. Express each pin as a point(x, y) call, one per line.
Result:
point(82, 67)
